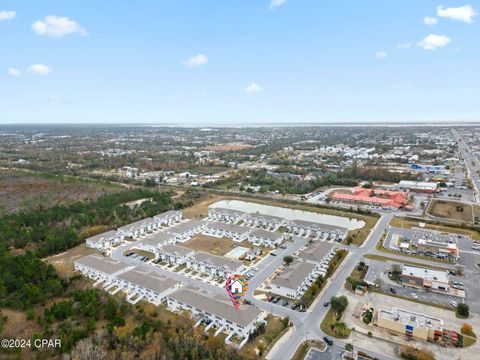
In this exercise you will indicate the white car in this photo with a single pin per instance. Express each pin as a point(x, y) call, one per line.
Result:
point(453, 303)
point(413, 295)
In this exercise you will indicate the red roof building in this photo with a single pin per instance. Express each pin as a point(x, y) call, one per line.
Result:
point(384, 198)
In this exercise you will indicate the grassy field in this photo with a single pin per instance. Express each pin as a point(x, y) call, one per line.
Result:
point(23, 190)
point(210, 244)
point(408, 224)
point(200, 210)
point(451, 210)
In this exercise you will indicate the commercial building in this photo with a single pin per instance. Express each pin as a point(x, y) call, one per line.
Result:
point(418, 186)
point(411, 324)
point(377, 197)
point(433, 169)
point(437, 247)
point(217, 311)
point(425, 278)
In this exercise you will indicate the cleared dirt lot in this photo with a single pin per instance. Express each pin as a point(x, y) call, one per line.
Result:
point(451, 210)
point(210, 244)
point(63, 262)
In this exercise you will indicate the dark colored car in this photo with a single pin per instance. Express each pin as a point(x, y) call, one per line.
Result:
point(393, 291)
point(327, 340)
point(285, 303)
point(326, 303)
point(276, 299)
point(270, 298)
point(247, 302)
point(273, 254)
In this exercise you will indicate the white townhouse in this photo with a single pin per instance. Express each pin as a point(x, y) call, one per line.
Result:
point(225, 215)
point(154, 241)
point(214, 265)
point(265, 238)
point(100, 268)
point(319, 254)
point(313, 229)
point(137, 228)
point(148, 286)
point(168, 218)
point(175, 254)
point(232, 231)
point(218, 311)
point(185, 230)
point(294, 280)
point(268, 222)
point(104, 240)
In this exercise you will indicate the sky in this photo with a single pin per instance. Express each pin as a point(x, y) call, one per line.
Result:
point(234, 62)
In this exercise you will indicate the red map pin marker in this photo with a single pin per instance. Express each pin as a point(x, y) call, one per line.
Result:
point(237, 287)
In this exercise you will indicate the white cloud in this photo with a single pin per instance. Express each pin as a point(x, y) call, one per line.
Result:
point(39, 69)
point(382, 55)
point(7, 15)
point(461, 13)
point(430, 20)
point(404, 45)
point(252, 88)
point(196, 61)
point(12, 72)
point(432, 42)
point(57, 27)
point(276, 3)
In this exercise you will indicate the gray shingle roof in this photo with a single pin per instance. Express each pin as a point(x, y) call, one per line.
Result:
point(102, 263)
point(316, 252)
point(216, 305)
point(266, 234)
point(151, 280)
point(186, 226)
point(294, 275)
point(215, 225)
point(106, 235)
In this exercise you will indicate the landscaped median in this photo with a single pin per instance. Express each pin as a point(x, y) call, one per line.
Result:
point(331, 323)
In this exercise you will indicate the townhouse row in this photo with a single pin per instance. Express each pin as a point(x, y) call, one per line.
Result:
point(212, 309)
point(133, 230)
point(297, 277)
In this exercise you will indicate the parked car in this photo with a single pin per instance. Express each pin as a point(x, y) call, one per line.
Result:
point(270, 298)
point(247, 302)
point(326, 303)
point(413, 295)
point(294, 306)
point(285, 303)
point(273, 254)
point(453, 303)
point(327, 340)
point(393, 291)
point(276, 299)
point(282, 247)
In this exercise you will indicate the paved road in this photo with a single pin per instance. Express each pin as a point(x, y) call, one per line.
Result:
point(471, 163)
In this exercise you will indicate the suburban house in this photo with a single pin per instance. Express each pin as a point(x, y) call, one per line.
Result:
point(425, 278)
point(214, 265)
point(151, 286)
point(294, 280)
point(217, 311)
point(265, 238)
point(104, 240)
point(168, 218)
point(175, 254)
point(268, 222)
point(101, 269)
point(225, 215)
point(317, 230)
point(411, 324)
point(185, 230)
point(232, 231)
point(137, 228)
point(152, 242)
